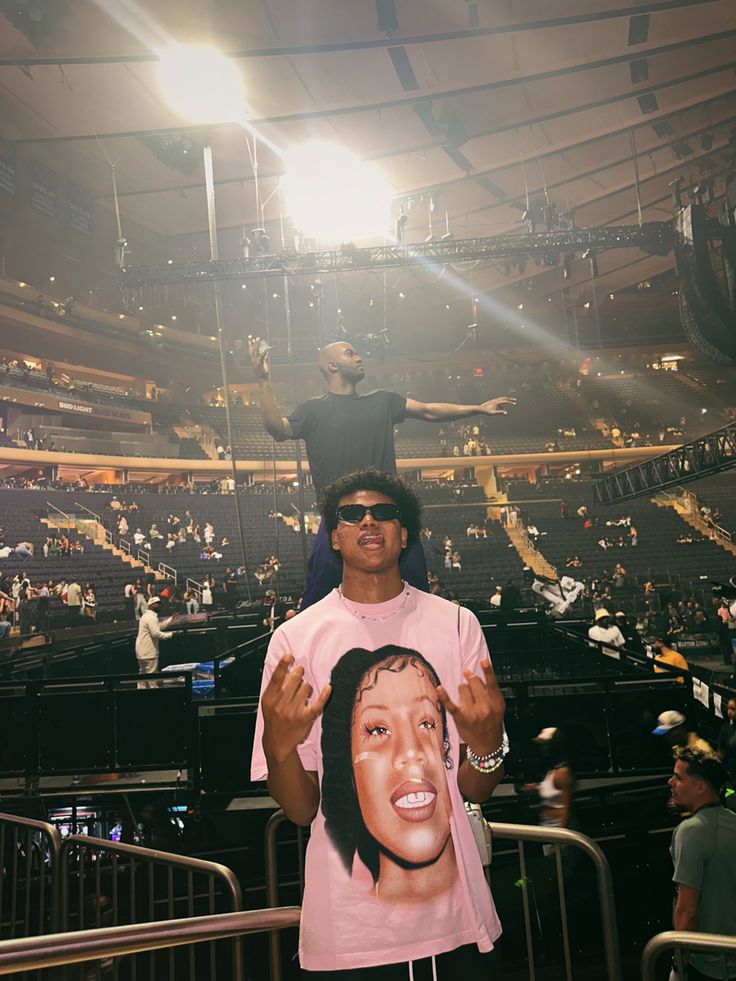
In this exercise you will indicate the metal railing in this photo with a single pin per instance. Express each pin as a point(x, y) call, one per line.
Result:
point(96, 516)
point(691, 504)
point(67, 517)
point(680, 941)
point(110, 883)
point(58, 949)
point(29, 868)
point(558, 838)
point(194, 587)
point(169, 571)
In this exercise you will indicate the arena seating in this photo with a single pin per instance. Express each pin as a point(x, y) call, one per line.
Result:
point(647, 402)
point(21, 518)
point(657, 554)
point(485, 562)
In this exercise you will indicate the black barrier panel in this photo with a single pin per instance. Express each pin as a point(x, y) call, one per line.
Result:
point(75, 727)
point(225, 743)
point(152, 726)
point(580, 714)
point(634, 713)
point(15, 731)
point(190, 648)
point(242, 677)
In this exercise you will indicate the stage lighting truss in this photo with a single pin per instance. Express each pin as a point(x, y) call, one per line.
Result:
point(700, 457)
point(653, 237)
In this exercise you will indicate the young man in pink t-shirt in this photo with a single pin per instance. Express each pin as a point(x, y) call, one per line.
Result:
point(379, 712)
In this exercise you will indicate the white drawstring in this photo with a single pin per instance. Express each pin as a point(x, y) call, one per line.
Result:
point(434, 969)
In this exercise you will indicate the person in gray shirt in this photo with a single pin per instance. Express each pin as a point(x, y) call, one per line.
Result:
point(703, 852)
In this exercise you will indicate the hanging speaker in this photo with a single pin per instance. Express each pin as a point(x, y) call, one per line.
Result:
point(708, 317)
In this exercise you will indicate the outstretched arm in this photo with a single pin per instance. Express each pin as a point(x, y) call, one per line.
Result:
point(276, 425)
point(448, 411)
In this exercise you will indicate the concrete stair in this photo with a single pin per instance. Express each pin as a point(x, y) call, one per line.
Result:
point(528, 554)
point(94, 532)
point(688, 510)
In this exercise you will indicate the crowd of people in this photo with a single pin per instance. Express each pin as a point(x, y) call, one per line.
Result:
point(27, 604)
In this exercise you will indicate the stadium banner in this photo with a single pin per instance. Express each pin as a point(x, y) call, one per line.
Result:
point(40, 400)
point(698, 644)
point(8, 166)
point(44, 189)
point(78, 210)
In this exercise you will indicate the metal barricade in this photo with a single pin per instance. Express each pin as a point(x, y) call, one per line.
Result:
point(105, 883)
point(557, 838)
point(60, 949)
point(29, 870)
point(272, 879)
point(680, 941)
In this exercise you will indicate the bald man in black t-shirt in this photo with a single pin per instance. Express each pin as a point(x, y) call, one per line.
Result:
point(344, 431)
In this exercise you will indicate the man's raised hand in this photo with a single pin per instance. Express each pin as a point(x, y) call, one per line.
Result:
point(288, 715)
point(480, 710)
point(497, 407)
point(258, 361)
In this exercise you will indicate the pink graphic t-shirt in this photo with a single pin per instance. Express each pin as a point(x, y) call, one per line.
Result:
point(392, 873)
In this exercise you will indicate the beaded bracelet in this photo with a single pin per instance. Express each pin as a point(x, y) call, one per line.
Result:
point(491, 761)
point(492, 764)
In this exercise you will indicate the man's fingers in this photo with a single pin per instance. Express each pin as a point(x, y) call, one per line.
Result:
point(490, 674)
point(475, 686)
point(318, 706)
point(281, 670)
point(293, 683)
point(447, 701)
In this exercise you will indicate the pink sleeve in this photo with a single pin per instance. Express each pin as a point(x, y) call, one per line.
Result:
point(473, 647)
point(309, 749)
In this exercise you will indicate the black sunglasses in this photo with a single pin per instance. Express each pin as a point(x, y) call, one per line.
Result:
point(353, 514)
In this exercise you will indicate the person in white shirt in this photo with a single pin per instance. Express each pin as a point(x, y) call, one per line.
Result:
point(147, 641)
point(139, 537)
point(606, 633)
point(495, 600)
point(128, 596)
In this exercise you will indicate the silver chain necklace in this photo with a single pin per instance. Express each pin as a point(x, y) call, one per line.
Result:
point(364, 616)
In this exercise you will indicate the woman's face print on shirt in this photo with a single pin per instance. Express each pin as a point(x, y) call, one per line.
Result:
point(395, 798)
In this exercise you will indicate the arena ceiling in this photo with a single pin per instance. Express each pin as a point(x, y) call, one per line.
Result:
point(469, 106)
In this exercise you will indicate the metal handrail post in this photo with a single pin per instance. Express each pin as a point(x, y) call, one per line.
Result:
point(54, 842)
point(64, 515)
point(56, 950)
point(151, 857)
point(97, 517)
point(272, 888)
point(682, 940)
point(562, 836)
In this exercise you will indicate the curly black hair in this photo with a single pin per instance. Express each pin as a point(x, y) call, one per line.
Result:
point(357, 672)
point(373, 480)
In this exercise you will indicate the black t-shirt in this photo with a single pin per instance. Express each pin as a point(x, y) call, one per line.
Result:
point(344, 433)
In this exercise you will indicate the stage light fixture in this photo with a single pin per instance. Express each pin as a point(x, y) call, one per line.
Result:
point(333, 196)
point(201, 84)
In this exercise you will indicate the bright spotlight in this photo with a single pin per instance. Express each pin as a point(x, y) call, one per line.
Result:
point(201, 84)
point(333, 196)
